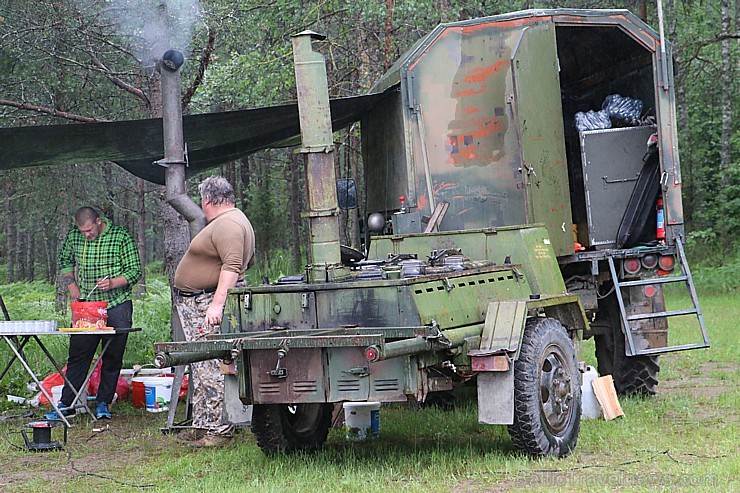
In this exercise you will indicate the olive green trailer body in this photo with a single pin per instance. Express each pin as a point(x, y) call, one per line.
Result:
point(493, 236)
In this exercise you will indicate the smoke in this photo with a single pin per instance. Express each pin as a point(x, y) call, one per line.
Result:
point(148, 27)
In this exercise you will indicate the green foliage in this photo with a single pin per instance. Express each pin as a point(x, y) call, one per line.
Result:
point(276, 265)
point(155, 268)
point(717, 219)
point(720, 278)
point(152, 314)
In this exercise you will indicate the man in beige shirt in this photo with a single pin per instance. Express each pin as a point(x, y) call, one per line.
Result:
point(215, 261)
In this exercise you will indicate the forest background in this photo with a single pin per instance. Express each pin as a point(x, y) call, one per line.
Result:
point(71, 61)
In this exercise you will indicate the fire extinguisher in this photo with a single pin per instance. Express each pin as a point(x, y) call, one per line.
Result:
point(660, 225)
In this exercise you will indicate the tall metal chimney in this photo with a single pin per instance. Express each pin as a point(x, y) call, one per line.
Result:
point(174, 147)
point(317, 145)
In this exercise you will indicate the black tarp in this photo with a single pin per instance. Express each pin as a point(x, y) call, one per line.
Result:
point(211, 138)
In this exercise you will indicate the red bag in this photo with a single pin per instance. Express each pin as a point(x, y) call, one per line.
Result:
point(122, 386)
point(48, 383)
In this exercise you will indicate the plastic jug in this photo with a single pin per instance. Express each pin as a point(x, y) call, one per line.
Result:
point(590, 407)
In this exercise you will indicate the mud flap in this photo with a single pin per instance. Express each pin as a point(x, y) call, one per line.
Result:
point(500, 341)
point(234, 411)
point(496, 397)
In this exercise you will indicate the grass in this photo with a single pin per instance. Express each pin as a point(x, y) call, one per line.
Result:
point(684, 439)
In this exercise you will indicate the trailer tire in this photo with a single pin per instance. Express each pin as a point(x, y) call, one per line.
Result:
point(283, 428)
point(632, 375)
point(547, 391)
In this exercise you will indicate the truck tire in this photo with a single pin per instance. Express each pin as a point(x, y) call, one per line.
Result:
point(282, 428)
point(632, 375)
point(547, 391)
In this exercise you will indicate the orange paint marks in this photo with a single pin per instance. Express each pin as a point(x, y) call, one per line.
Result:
point(467, 93)
point(442, 186)
point(484, 126)
point(479, 74)
point(467, 30)
point(469, 110)
point(478, 77)
point(421, 202)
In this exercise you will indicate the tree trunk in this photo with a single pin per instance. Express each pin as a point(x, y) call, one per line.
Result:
point(49, 250)
point(61, 291)
point(21, 272)
point(10, 231)
point(643, 11)
point(388, 33)
point(244, 178)
point(228, 171)
point(726, 76)
point(30, 257)
point(141, 231)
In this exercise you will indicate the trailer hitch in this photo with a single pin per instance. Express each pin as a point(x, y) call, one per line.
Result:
point(282, 352)
point(435, 335)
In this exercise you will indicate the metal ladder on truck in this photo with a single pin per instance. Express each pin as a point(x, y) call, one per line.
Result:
point(696, 310)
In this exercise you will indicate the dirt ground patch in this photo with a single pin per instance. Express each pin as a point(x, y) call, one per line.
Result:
point(97, 449)
point(703, 384)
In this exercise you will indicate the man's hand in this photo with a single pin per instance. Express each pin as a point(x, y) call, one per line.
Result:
point(74, 291)
point(106, 283)
point(214, 313)
point(69, 281)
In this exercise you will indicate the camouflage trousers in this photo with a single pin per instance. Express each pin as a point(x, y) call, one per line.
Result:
point(205, 376)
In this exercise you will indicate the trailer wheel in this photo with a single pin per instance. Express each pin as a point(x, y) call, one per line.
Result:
point(282, 428)
point(547, 391)
point(633, 375)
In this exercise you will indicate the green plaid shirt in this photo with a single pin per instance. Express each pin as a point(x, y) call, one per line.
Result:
point(111, 254)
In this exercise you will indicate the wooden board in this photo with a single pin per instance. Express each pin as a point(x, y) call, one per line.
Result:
point(606, 394)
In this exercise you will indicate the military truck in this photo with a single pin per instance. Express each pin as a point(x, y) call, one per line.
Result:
point(497, 235)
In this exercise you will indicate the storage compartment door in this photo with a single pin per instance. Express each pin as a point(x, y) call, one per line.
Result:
point(539, 116)
point(612, 160)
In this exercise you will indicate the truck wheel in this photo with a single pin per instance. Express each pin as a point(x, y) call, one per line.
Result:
point(547, 391)
point(633, 375)
point(291, 428)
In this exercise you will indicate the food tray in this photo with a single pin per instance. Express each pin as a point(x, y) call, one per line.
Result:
point(28, 327)
point(88, 330)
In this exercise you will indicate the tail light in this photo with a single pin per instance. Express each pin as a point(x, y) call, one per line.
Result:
point(631, 265)
point(649, 261)
point(667, 262)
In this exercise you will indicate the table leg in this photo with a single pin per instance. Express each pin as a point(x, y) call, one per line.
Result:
point(35, 379)
point(20, 347)
point(77, 392)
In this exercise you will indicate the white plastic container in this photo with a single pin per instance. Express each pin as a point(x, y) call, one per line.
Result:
point(361, 420)
point(28, 326)
point(128, 374)
point(157, 392)
point(590, 408)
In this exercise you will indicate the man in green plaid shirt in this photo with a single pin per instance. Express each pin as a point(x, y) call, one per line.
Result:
point(105, 256)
